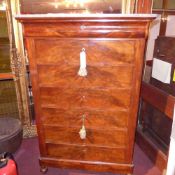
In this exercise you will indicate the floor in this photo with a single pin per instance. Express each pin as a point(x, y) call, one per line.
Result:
point(27, 162)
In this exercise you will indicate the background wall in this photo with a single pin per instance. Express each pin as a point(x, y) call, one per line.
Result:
point(3, 25)
point(153, 34)
point(8, 100)
point(170, 29)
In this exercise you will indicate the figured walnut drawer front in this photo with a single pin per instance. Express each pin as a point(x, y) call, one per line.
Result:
point(97, 136)
point(93, 118)
point(85, 29)
point(102, 76)
point(99, 52)
point(86, 153)
point(90, 98)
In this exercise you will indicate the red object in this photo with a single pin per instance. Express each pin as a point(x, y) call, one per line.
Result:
point(9, 169)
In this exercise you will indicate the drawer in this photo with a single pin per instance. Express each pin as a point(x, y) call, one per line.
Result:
point(92, 28)
point(103, 76)
point(99, 52)
point(93, 118)
point(86, 153)
point(97, 137)
point(111, 99)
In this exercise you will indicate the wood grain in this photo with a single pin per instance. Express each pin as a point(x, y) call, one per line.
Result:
point(66, 76)
point(94, 136)
point(99, 52)
point(74, 30)
point(93, 118)
point(89, 98)
point(86, 153)
point(108, 96)
point(87, 165)
point(144, 6)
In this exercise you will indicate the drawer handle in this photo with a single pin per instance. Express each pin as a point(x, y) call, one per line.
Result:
point(82, 71)
point(82, 131)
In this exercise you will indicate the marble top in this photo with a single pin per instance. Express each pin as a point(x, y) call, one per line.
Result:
point(63, 15)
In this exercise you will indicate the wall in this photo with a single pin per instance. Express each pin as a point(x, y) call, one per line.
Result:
point(4, 44)
point(170, 30)
point(154, 32)
point(3, 25)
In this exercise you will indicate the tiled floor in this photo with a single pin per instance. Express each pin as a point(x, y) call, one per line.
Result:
point(27, 161)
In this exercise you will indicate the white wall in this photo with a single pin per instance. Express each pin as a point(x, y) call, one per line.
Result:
point(170, 29)
point(153, 33)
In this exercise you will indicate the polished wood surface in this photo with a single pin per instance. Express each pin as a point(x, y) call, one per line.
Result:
point(95, 136)
point(87, 165)
point(144, 6)
point(73, 117)
point(112, 76)
point(86, 153)
point(112, 71)
point(55, 56)
point(6, 76)
point(80, 26)
point(107, 97)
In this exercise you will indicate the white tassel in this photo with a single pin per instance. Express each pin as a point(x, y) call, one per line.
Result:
point(82, 132)
point(82, 71)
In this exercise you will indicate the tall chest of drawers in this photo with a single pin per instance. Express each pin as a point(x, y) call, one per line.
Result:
point(86, 122)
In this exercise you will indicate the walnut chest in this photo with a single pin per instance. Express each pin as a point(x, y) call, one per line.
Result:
point(86, 121)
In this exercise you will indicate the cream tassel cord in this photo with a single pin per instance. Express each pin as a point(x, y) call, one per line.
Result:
point(82, 71)
point(82, 131)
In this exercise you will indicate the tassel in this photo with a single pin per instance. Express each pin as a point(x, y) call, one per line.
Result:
point(82, 71)
point(82, 132)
